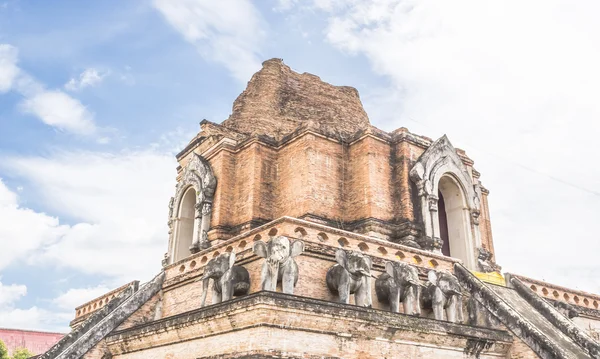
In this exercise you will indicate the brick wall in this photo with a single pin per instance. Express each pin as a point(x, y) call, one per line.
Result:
point(147, 313)
point(520, 350)
point(295, 327)
point(313, 176)
point(36, 342)
point(99, 351)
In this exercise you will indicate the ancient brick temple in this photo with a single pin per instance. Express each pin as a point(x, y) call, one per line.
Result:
point(299, 230)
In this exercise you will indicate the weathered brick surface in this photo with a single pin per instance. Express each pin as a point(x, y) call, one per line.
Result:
point(406, 155)
point(520, 350)
point(145, 314)
point(368, 186)
point(296, 146)
point(312, 176)
point(278, 100)
point(292, 178)
point(223, 166)
point(297, 344)
point(301, 328)
point(99, 351)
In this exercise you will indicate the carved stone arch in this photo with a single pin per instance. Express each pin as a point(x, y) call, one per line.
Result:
point(448, 168)
point(197, 174)
point(438, 161)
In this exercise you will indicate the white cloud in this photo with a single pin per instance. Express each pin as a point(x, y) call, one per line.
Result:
point(118, 200)
point(75, 297)
point(325, 5)
point(118, 203)
point(88, 78)
point(8, 66)
point(23, 230)
point(515, 79)
point(229, 32)
point(53, 107)
point(7, 197)
point(35, 318)
point(11, 293)
point(57, 109)
point(31, 318)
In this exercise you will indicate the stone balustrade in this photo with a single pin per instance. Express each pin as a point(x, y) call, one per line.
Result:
point(315, 236)
point(182, 294)
point(85, 310)
point(555, 292)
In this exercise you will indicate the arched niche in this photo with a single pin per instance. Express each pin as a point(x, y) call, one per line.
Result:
point(192, 204)
point(452, 206)
point(184, 228)
point(439, 170)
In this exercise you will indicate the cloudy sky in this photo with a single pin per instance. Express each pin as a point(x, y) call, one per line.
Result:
point(96, 97)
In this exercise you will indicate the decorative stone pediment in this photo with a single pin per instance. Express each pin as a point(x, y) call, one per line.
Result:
point(199, 174)
point(442, 159)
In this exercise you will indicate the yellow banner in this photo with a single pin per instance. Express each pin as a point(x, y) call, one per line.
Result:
point(492, 278)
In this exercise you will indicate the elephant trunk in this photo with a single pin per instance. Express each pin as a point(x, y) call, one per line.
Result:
point(416, 282)
point(365, 272)
point(204, 280)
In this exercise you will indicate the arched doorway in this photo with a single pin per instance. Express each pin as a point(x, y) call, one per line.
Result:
point(441, 176)
point(443, 225)
point(454, 220)
point(184, 232)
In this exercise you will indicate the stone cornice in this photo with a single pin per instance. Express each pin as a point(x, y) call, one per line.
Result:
point(236, 145)
point(317, 226)
point(281, 306)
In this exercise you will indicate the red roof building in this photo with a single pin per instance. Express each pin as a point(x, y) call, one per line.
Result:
point(36, 342)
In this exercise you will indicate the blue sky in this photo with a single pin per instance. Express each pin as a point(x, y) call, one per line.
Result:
point(97, 97)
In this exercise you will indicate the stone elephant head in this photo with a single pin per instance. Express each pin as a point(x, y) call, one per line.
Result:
point(400, 284)
point(444, 294)
point(351, 275)
point(279, 265)
point(228, 279)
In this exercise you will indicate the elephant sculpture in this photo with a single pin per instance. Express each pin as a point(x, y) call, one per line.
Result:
point(443, 293)
point(400, 283)
point(279, 265)
point(351, 275)
point(228, 279)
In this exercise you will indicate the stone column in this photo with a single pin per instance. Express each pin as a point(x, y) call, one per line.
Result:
point(431, 224)
point(205, 224)
point(197, 234)
point(475, 222)
point(202, 225)
point(435, 224)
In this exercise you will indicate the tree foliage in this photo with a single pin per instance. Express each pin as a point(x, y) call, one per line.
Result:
point(3, 351)
point(21, 353)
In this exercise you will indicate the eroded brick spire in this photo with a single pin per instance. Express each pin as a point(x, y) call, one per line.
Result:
point(278, 101)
